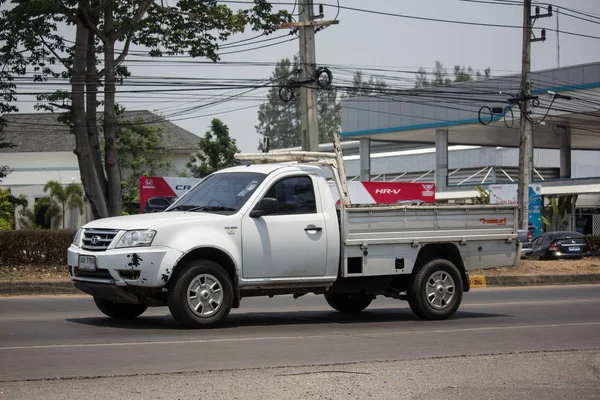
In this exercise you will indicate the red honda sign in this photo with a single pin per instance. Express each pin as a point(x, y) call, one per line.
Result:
point(388, 192)
point(157, 192)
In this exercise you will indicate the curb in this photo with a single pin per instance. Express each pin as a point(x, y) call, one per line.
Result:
point(532, 280)
point(17, 288)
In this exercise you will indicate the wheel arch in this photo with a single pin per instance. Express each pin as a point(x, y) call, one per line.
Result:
point(219, 256)
point(447, 251)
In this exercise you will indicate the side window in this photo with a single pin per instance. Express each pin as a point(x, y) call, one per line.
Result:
point(296, 195)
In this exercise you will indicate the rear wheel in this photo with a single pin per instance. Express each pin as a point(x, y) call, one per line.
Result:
point(120, 310)
point(436, 290)
point(348, 303)
point(200, 294)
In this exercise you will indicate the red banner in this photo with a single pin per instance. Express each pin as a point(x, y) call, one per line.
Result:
point(157, 192)
point(388, 192)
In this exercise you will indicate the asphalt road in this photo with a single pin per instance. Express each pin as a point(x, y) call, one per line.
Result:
point(503, 343)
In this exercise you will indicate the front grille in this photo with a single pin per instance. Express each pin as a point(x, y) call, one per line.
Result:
point(97, 239)
point(98, 273)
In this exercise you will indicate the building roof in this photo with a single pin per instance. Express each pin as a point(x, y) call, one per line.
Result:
point(483, 112)
point(42, 132)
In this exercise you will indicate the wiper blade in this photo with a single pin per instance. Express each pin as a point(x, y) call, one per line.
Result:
point(183, 207)
point(212, 208)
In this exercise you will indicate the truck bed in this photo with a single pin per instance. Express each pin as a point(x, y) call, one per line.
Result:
point(485, 235)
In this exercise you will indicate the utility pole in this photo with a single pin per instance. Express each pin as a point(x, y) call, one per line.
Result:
point(308, 68)
point(557, 41)
point(526, 124)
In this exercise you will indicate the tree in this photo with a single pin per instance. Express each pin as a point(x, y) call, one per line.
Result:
point(281, 121)
point(361, 87)
point(141, 152)
point(31, 42)
point(61, 199)
point(440, 75)
point(6, 211)
point(217, 149)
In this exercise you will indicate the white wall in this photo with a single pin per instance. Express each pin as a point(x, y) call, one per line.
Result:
point(31, 171)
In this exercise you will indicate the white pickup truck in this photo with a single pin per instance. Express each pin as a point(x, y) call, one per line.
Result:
point(274, 229)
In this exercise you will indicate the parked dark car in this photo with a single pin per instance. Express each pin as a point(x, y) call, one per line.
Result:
point(559, 245)
point(158, 204)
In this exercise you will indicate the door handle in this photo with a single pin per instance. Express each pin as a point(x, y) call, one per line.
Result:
point(313, 228)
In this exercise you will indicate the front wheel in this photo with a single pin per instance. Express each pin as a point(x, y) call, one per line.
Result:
point(436, 290)
point(200, 294)
point(120, 310)
point(348, 303)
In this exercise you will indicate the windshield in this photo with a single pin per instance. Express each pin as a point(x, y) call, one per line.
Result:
point(222, 192)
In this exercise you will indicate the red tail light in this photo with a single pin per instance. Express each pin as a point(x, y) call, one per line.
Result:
point(553, 247)
point(528, 236)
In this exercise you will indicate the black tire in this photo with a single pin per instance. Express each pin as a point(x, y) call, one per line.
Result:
point(436, 290)
point(348, 303)
point(214, 294)
point(120, 310)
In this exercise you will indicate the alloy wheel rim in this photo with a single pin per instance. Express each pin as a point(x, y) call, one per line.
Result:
point(439, 290)
point(205, 295)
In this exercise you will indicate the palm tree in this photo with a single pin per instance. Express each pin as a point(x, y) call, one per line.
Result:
point(63, 198)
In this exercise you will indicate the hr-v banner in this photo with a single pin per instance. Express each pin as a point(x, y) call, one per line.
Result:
point(387, 192)
point(157, 192)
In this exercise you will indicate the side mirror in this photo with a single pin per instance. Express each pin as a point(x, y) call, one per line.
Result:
point(266, 206)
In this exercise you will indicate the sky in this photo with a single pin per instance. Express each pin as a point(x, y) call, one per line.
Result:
point(364, 41)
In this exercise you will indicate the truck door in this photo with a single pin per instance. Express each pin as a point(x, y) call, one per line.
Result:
point(290, 243)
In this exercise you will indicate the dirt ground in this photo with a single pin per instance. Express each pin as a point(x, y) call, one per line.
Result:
point(34, 273)
point(527, 267)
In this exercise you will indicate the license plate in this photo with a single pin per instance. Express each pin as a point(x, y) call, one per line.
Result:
point(87, 263)
point(574, 248)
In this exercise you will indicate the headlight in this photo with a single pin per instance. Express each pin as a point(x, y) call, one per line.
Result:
point(137, 238)
point(77, 238)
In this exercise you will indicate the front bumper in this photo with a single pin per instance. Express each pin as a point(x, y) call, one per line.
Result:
point(137, 266)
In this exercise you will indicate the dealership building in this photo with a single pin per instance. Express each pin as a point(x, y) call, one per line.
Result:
point(467, 134)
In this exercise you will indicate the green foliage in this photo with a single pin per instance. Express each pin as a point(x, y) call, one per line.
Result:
point(6, 211)
point(441, 78)
point(61, 199)
point(546, 222)
point(35, 247)
point(281, 121)
point(217, 149)
point(8, 205)
point(140, 147)
point(483, 196)
point(27, 219)
point(593, 242)
point(36, 43)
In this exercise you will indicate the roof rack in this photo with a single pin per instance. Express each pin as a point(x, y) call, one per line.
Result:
point(288, 156)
